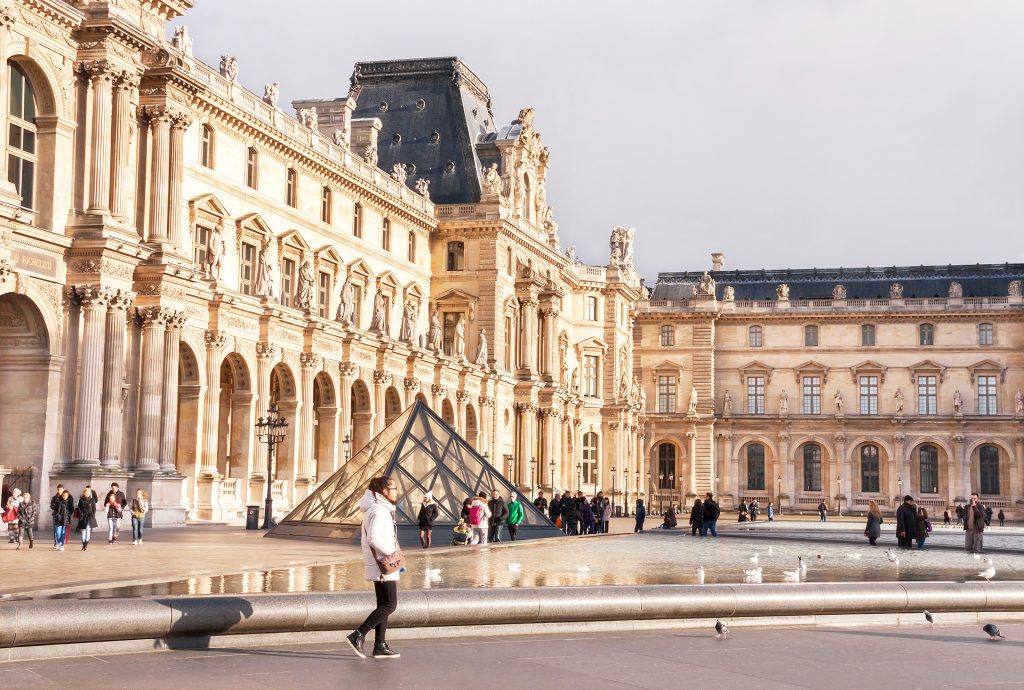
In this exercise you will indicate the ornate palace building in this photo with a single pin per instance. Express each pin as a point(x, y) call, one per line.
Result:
point(842, 385)
point(177, 254)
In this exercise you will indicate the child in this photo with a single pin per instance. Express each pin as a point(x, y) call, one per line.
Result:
point(460, 534)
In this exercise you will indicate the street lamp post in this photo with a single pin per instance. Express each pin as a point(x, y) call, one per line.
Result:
point(625, 491)
point(579, 476)
point(552, 466)
point(614, 492)
point(839, 496)
point(899, 485)
point(346, 448)
point(661, 487)
point(638, 483)
point(778, 496)
point(533, 476)
point(671, 483)
point(270, 430)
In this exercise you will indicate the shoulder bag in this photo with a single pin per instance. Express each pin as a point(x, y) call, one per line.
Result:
point(388, 563)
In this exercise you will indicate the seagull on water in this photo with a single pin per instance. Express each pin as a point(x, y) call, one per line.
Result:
point(433, 573)
point(753, 575)
point(700, 574)
point(583, 569)
point(929, 617)
point(791, 575)
point(515, 567)
point(769, 549)
point(989, 572)
point(754, 559)
point(723, 630)
point(993, 632)
point(854, 555)
point(800, 564)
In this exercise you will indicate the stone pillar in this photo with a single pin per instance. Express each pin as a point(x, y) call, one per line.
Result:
point(73, 314)
point(963, 467)
point(486, 425)
point(528, 318)
point(902, 464)
point(90, 385)
point(1018, 457)
point(550, 364)
point(788, 471)
point(215, 342)
point(124, 120)
point(844, 472)
point(381, 380)
point(730, 481)
point(130, 421)
point(113, 378)
point(159, 171)
point(527, 449)
point(169, 399)
point(691, 438)
point(151, 399)
point(102, 77)
point(175, 216)
point(348, 373)
point(306, 471)
point(265, 355)
point(461, 403)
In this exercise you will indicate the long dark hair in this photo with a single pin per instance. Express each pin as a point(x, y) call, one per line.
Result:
point(379, 485)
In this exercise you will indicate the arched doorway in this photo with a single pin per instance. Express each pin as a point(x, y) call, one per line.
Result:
point(190, 402)
point(448, 412)
point(282, 394)
point(362, 416)
point(392, 405)
point(472, 431)
point(325, 427)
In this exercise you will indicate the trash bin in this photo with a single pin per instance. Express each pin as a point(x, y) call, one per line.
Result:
point(252, 517)
point(618, 511)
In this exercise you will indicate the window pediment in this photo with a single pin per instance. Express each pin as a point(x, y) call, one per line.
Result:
point(663, 367)
point(293, 239)
point(756, 368)
point(868, 367)
point(360, 269)
point(927, 367)
point(251, 226)
point(593, 343)
point(327, 257)
point(989, 367)
point(811, 368)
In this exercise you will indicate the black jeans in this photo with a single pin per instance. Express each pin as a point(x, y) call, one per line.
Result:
point(387, 602)
point(512, 530)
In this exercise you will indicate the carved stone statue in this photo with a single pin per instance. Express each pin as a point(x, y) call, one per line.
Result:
point(958, 403)
point(370, 154)
point(838, 398)
point(481, 349)
point(692, 410)
point(627, 246)
point(574, 384)
point(727, 404)
point(615, 244)
point(1015, 288)
point(634, 391)
point(423, 188)
point(705, 286)
point(956, 290)
point(271, 93)
point(434, 334)
point(399, 173)
point(460, 339)
point(839, 292)
point(570, 253)
point(899, 402)
point(229, 68)
point(339, 138)
point(408, 331)
point(641, 396)
point(783, 403)
point(1018, 403)
point(309, 119)
point(729, 293)
point(215, 252)
point(265, 273)
point(346, 308)
point(782, 292)
point(378, 322)
point(895, 291)
point(182, 41)
point(492, 180)
point(304, 289)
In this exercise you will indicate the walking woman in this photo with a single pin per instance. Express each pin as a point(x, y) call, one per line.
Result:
point(61, 520)
point(640, 514)
point(140, 506)
point(697, 518)
point(873, 530)
point(379, 542)
point(924, 526)
point(86, 512)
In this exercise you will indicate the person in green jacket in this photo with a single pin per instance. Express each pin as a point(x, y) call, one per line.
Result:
point(515, 515)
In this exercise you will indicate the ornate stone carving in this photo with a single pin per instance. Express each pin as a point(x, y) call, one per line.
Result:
point(410, 384)
point(215, 340)
point(900, 401)
point(265, 279)
point(378, 322)
point(265, 350)
point(1015, 288)
point(1018, 403)
point(839, 292)
point(838, 399)
point(896, 291)
point(215, 252)
point(399, 173)
point(783, 403)
point(728, 293)
point(462, 396)
point(346, 306)
point(727, 404)
point(958, 403)
point(304, 289)
point(370, 154)
point(182, 41)
point(309, 360)
point(348, 369)
point(782, 292)
point(485, 401)
point(481, 349)
point(229, 68)
point(423, 188)
point(271, 93)
point(705, 286)
point(492, 180)
point(438, 391)
point(434, 335)
point(460, 339)
point(6, 270)
point(382, 377)
point(956, 290)
point(621, 246)
point(692, 409)
point(309, 119)
point(407, 333)
point(527, 407)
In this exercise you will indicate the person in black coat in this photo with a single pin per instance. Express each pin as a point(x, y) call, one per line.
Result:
point(86, 514)
point(499, 511)
point(426, 518)
point(567, 509)
point(711, 514)
point(697, 518)
point(555, 507)
point(906, 523)
point(640, 514)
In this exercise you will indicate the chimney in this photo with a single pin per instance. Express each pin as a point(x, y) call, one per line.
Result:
point(717, 261)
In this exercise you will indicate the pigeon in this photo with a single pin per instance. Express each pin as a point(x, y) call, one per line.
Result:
point(819, 556)
point(791, 575)
point(929, 617)
point(754, 559)
point(989, 572)
point(515, 567)
point(700, 574)
point(993, 632)
point(723, 630)
point(433, 573)
point(583, 569)
point(854, 555)
point(800, 563)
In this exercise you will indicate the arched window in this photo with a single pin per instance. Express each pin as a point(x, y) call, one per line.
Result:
point(326, 204)
point(869, 469)
point(812, 467)
point(206, 146)
point(590, 458)
point(755, 467)
point(666, 466)
point(357, 220)
point(456, 257)
point(988, 470)
point(754, 336)
point(929, 460)
point(23, 138)
point(668, 336)
point(926, 334)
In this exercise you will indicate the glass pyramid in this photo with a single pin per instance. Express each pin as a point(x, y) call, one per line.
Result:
point(421, 453)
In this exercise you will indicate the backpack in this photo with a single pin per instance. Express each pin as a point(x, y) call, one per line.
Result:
point(475, 514)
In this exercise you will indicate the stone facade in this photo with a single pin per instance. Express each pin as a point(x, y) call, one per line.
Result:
point(177, 254)
point(842, 385)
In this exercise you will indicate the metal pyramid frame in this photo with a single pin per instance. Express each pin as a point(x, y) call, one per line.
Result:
point(421, 453)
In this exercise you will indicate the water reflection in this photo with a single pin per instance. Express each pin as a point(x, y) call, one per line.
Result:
point(617, 560)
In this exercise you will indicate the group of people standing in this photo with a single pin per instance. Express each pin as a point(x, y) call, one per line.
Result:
point(703, 516)
point(913, 524)
point(578, 515)
point(960, 510)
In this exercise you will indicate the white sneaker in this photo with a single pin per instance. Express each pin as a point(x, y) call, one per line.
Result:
point(61, 548)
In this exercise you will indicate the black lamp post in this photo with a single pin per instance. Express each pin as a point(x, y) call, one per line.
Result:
point(533, 475)
point(579, 476)
point(637, 485)
point(552, 466)
point(661, 487)
point(614, 492)
point(346, 448)
point(270, 430)
point(625, 491)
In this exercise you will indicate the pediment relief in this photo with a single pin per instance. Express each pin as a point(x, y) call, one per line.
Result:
point(927, 367)
point(293, 239)
point(591, 344)
point(811, 368)
point(207, 207)
point(868, 367)
point(989, 367)
point(360, 268)
point(756, 368)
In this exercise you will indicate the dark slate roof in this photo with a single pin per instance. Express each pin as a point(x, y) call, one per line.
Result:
point(439, 135)
point(978, 280)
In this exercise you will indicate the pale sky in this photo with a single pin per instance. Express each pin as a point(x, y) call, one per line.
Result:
point(786, 133)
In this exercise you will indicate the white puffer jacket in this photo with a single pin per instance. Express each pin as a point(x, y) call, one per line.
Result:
point(378, 531)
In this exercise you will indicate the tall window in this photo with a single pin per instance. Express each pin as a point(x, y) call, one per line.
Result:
point(290, 195)
point(810, 336)
point(666, 466)
point(869, 395)
point(509, 333)
point(385, 235)
point(929, 459)
point(252, 168)
point(812, 467)
point(206, 146)
point(245, 268)
point(287, 281)
point(926, 334)
point(323, 297)
point(199, 242)
point(451, 320)
point(927, 395)
point(869, 469)
point(986, 334)
point(22, 149)
point(590, 364)
point(590, 458)
point(456, 259)
point(755, 467)
point(357, 304)
point(668, 336)
point(510, 261)
point(755, 395)
point(357, 220)
point(326, 205)
point(867, 335)
point(986, 395)
point(754, 336)
point(666, 394)
point(812, 394)
point(412, 246)
point(988, 470)
point(591, 307)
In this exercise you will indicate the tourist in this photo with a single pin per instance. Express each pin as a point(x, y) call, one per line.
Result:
point(974, 525)
point(572, 516)
point(771, 512)
point(873, 529)
point(27, 519)
point(947, 518)
point(516, 513)
point(380, 547)
point(499, 513)
point(85, 512)
point(11, 508)
point(669, 517)
point(1002, 518)
point(540, 503)
point(597, 504)
point(822, 512)
point(988, 516)
point(697, 518)
point(479, 514)
point(426, 518)
point(959, 514)
point(61, 520)
point(586, 517)
point(460, 534)
point(465, 508)
point(906, 523)
point(114, 503)
point(640, 513)
point(55, 502)
point(567, 508)
point(755, 510)
point(924, 526)
point(140, 506)
point(711, 514)
point(606, 515)
point(742, 508)
point(554, 509)
point(744, 516)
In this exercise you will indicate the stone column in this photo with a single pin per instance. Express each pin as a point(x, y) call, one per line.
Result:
point(381, 380)
point(461, 403)
point(73, 314)
point(730, 476)
point(215, 342)
point(902, 463)
point(550, 364)
point(844, 472)
point(130, 421)
point(175, 218)
point(113, 378)
point(306, 471)
point(691, 437)
point(528, 424)
point(159, 171)
point(528, 318)
point(169, 400)
point(963, 474)
point(265, 355)
point(124, 120)
point(90, 384)
point(151, 399)
point(1018, 452)
point(348, 373)
point(102, 77)
point(788, 472)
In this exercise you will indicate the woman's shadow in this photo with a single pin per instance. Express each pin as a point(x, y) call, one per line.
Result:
point(196, 620)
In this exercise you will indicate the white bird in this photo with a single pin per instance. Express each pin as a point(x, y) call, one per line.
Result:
point(800, 563)
point(433, 573)
point(700, 574)
point(769, 549)
point(791, 575)
point(515, 567)
point(890, 554)
point(723, 630)
point(854, 555)
point(754, 559)
point(753, 575)
point(583, 569)
point(989, 572)
point(976, 556)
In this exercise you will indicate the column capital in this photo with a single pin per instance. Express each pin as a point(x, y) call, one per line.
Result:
point(382, 378)
point(96, 70)
point(266, 350)
point(485, 401)
point(121, 300)
point(549, 311)
point(309, 360)
point(613, 425)
point(7, 17)
point(349, 369)
point(96, 296)
point(526, 407)
point(127, 80)
point(215, 340)
point(410, 384)
point(155, 113)
point(180, 120)
point(157, 317)
point(462, 396)
point(437, 391)
point(691, 435)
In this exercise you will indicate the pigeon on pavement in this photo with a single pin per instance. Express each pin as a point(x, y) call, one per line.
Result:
point(993, 632)
point(929, 617)
point(723, 630)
